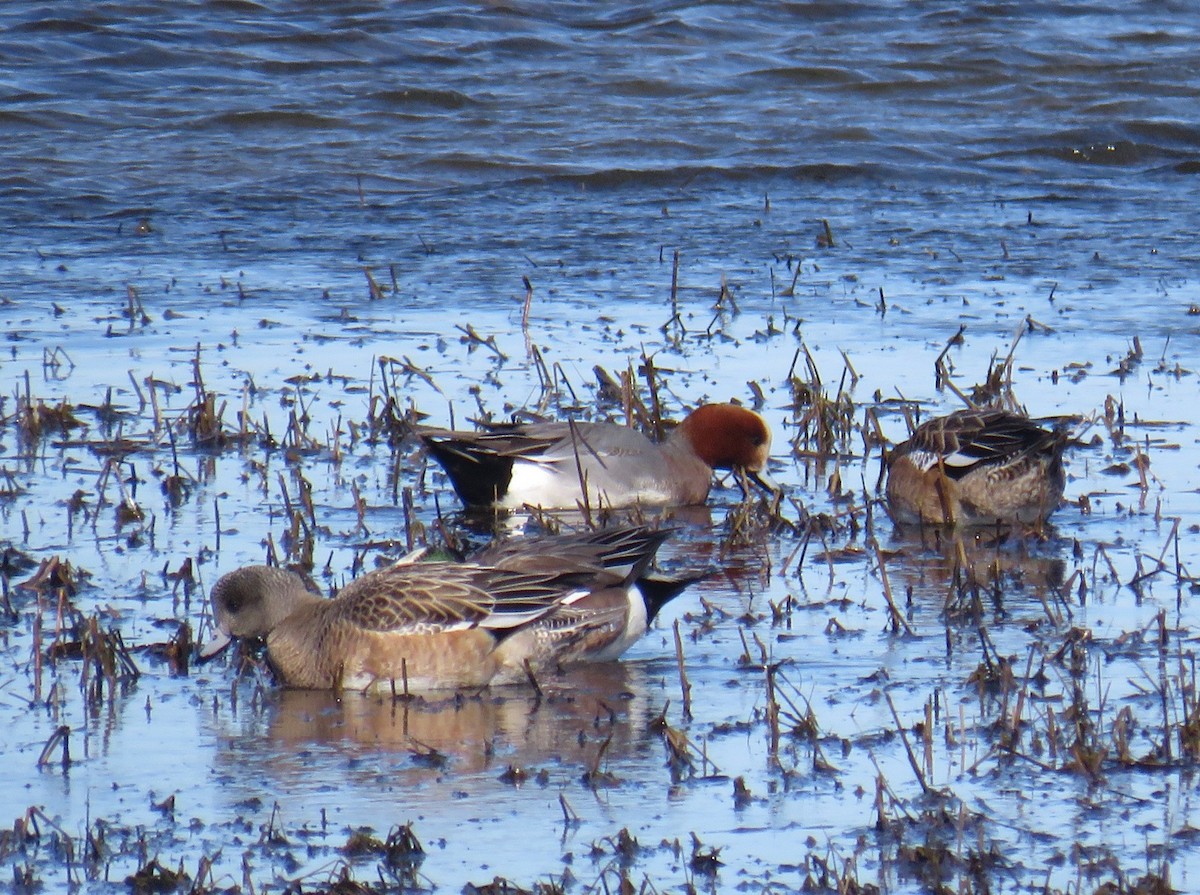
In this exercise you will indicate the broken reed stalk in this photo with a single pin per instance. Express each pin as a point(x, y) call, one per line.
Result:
point(570, 818)
point(675, 320)
point(61, 736)
point(545, 379)
point(408, 508)
point(1019, 709)
point(471, 336)
point(1008, 361)
point(561, 377)
point(1172, 538)
point(791, 290)
point(374, 290)
point(37, 656)
point(593, 774)
point(360, 509)
point(684, 685)
point(772, 713)
point(655, 405)
point(1112, 569)
point(528, 303)
point(912, 758)
point(897, 618)
point(288, 509)
point(135, 308)
point(675, 285)
point(138, 390)
point(6, 606)
point(726, 295)
point(880, 809)
point(928, 734)
point(941, 375)
point(585, 503)
point(532, 679)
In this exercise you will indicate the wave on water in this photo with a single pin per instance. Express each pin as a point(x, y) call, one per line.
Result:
point(294, 119)
point(409, 98)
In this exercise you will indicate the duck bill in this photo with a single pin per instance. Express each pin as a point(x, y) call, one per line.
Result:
point(219, 641)
point(764, 481)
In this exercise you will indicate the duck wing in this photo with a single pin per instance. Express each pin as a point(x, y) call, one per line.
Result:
point(423, 597)
point(623, 553)
point(967, 439)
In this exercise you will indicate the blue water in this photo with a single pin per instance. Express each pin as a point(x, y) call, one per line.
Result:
point(237, 172)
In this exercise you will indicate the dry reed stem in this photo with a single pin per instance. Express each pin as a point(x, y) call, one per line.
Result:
point(912, 759)
point(897, 618)
point(684, 685)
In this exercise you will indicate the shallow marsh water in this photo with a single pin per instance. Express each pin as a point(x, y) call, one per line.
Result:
point(219, 246)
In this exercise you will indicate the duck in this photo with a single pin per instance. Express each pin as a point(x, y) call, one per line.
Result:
point(979, 466)
point(568, 465)
point(413, 627)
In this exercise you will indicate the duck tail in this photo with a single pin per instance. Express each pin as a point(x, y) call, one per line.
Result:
point(480, 478)
point(659, 590)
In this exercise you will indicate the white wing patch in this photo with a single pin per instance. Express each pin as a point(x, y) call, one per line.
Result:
point(923, 460)
point(927, 460)
point(959, 460)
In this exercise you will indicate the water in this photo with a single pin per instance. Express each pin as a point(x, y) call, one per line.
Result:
point(233, 171)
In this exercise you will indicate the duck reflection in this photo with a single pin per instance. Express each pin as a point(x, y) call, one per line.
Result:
point(480, 527)
point(969, 568)
point(582, 720)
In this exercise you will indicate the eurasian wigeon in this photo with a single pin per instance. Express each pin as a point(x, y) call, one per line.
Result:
point(977, 467)
point(427, 626)
point(551, 465)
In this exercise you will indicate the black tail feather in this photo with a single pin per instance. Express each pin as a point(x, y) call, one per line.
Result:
point(659, 590)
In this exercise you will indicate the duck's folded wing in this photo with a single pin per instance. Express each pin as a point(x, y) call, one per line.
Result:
point(620, 554)
point(424, 597)
point(499, 441)
point(967, 439)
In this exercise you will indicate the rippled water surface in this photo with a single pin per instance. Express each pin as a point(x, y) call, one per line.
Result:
point(295, 213)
